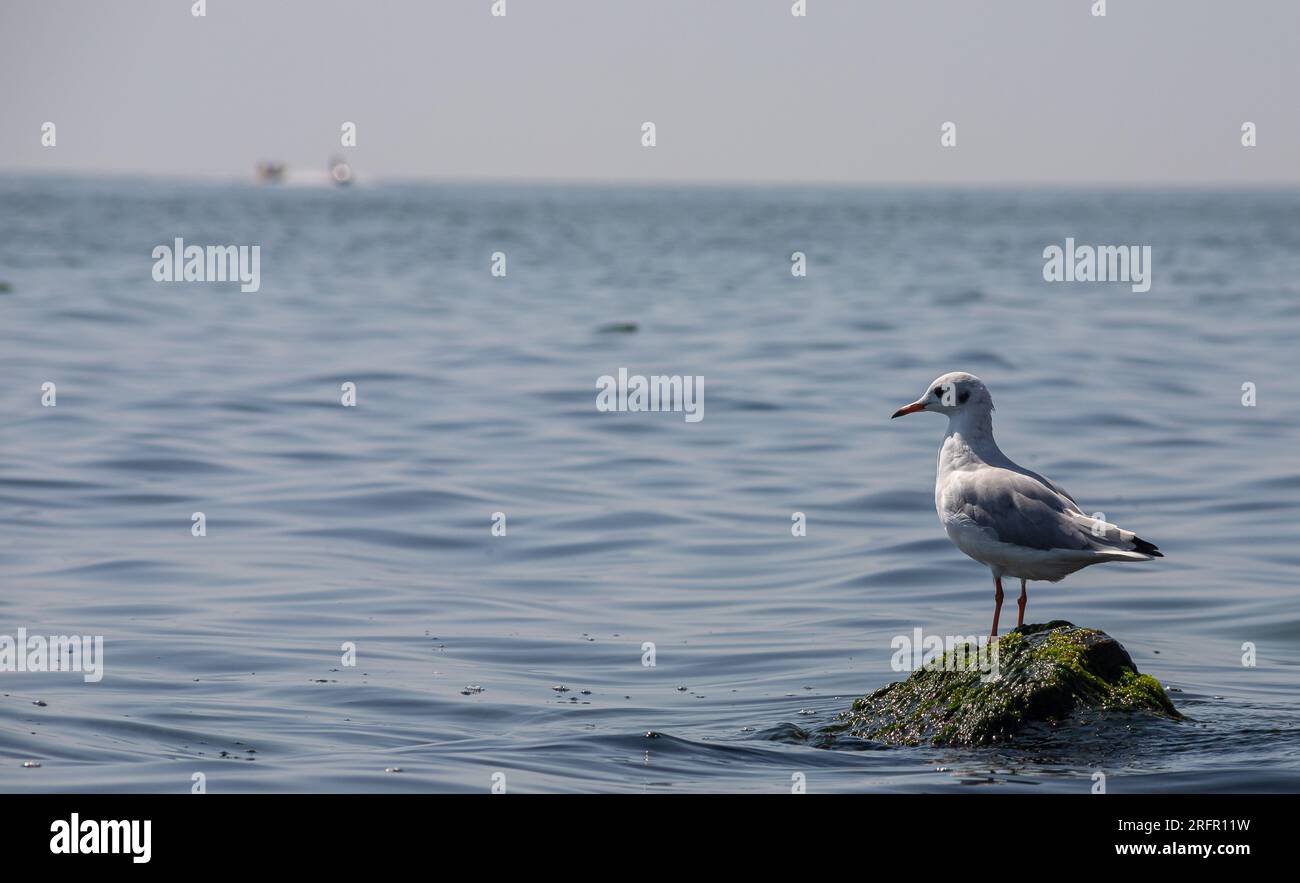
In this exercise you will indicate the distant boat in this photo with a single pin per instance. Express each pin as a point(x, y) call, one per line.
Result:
point(340, 171)
point(270, 172)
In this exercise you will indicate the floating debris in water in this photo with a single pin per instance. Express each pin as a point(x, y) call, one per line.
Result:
point(586, 692)
point(560, 688)
point(392, 769)
point(807, 712)
point(651, 734)
point(681, 689)
point(41, 703)
point(471, 690)
point(31, 764)
point(619, 328)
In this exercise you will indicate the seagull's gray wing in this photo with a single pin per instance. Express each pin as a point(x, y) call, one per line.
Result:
point(1012, 507)
point(1051, 485)
point(1000, 459)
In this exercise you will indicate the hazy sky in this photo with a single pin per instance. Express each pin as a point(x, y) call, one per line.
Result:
point(740, 90)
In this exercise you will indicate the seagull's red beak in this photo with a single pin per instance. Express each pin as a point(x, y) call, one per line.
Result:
point(909, 409)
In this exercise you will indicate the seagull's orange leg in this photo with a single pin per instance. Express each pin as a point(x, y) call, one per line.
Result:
point(997, 608)
point(1024, 599)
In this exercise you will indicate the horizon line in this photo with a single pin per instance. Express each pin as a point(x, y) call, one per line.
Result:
point(365, 181)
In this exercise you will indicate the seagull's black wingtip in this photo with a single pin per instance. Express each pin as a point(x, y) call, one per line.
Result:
point(1141, 545)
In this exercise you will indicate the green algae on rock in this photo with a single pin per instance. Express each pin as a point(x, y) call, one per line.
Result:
point(1044, 672)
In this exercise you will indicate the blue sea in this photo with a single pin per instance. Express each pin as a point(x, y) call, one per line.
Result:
point(518, 660)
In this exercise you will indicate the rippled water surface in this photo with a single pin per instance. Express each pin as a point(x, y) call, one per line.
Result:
point(476, 395)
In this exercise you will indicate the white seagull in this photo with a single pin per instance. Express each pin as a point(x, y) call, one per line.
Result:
point(1011, 519)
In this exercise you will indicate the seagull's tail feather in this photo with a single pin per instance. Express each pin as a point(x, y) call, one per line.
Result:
point(1141, 545)
point(1113, 541)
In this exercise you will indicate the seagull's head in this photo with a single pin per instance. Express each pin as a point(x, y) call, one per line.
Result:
point(951, 394)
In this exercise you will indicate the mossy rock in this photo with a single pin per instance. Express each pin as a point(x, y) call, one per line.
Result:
point(1044, 673)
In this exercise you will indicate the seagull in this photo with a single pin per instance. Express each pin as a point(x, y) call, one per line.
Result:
point(1009, 518)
